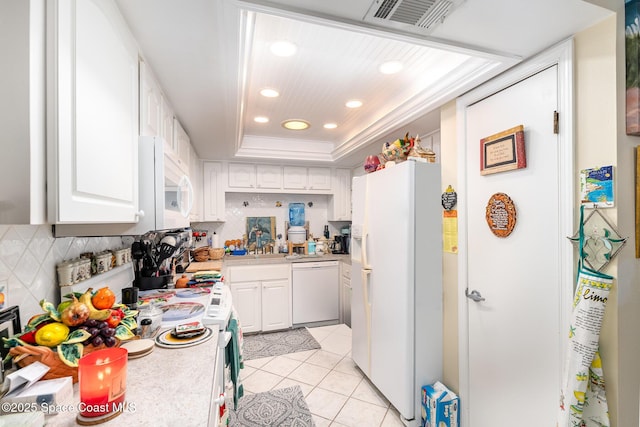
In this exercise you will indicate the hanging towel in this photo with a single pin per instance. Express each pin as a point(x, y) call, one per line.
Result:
point(234, 356)
point(590, 299)
point(596, 409)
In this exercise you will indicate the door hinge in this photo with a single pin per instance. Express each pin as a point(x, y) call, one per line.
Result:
point(555, 122)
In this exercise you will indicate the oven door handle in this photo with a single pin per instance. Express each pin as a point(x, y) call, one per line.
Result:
point(223, 339)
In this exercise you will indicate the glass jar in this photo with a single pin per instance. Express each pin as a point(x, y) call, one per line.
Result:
point(152, 312)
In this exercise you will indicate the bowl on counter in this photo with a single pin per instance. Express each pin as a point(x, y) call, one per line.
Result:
point(216, 253)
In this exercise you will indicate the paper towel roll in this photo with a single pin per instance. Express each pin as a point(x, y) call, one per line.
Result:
point(216, 241)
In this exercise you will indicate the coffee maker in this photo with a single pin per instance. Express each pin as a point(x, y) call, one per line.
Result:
point(340, 245)
point(157, 256)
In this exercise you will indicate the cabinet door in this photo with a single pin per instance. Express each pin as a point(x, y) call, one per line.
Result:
point(275, 305)
point(295, 178)
point(183, 146)
point(340, 202)
point(195, 176)
point(93, 106)
point(150, 103)
point(269, 177)
point(319, 178)
point(213, 192)
point(345, 288)
point(166, 122)
point(242, 175)
point(247, 301)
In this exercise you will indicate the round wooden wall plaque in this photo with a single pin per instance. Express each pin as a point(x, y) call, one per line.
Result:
point(501, 215)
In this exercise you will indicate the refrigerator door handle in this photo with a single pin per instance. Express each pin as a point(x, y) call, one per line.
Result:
point(365, 260)
point(366, 290)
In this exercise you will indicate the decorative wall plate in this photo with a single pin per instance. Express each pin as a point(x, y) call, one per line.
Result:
point(449, 198)
point(501, 215)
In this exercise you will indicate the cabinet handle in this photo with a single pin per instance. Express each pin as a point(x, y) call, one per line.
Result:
point(140, 214)
point(219, 400)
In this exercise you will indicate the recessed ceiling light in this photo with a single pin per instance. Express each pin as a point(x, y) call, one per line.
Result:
point(330, 126)
point(354, 103)
point(390, 67)
point(283, 48)
point(269, 93)
point(295, 124)
point(261, 119)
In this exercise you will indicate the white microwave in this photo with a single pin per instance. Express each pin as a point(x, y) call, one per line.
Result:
point(165, 196)
point(165, 192)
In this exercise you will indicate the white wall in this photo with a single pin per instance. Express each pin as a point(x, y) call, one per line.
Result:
point(265, 205)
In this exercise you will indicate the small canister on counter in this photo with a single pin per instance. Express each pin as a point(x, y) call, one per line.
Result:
point(65, 273)
point(151, 312)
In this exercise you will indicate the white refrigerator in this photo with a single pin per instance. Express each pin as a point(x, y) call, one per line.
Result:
point(396, 304)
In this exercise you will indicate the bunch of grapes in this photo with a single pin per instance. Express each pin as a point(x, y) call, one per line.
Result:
point(100, 333)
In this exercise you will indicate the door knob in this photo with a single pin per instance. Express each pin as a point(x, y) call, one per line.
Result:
point(474, 295)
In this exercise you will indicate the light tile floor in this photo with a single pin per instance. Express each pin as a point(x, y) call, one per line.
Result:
point(335, 389)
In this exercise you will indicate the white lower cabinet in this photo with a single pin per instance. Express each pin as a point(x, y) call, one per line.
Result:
point(261, 296)
point(345, 294)
point(275, 305)
point(247, 300)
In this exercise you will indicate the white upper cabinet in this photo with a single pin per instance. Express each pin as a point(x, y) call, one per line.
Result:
point(195, 176)
point(213, 192)
point(340, 201)
point(22, 116)
point(248, 177)
point(309, 179)
point(295, 178)
point(242, 175)
point(319, 178)
point(182, 146)
point(93, 109)
point(268, 176)
point(150, 103)
point(167, 125)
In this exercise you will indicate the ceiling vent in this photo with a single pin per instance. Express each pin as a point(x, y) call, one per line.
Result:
point(422, 15)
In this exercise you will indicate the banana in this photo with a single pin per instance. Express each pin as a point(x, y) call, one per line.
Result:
point(94, 313)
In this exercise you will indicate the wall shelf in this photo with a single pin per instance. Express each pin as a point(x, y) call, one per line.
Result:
point(116, 279)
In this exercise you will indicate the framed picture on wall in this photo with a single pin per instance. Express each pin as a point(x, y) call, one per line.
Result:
point(632, 59)
point(503, 151)
point(261, 230)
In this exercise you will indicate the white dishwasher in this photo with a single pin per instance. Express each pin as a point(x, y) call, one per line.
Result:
point(315, 291)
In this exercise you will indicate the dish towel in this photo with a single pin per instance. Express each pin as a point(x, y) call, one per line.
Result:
point(234, 356)
point(583, 400)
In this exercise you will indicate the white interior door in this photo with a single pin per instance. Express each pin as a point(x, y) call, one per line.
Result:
point(514, 345)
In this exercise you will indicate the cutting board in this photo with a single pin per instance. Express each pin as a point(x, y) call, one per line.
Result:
point(204, 265)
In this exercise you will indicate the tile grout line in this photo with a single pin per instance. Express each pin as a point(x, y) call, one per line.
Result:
point(343, 357)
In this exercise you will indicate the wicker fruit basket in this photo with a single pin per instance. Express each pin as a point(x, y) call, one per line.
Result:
point(201, 254)
point(216, 253)
point(27, 354)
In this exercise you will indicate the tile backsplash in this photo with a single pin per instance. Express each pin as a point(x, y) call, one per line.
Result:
point(29, 253)
point(28, 258)
point(239, 206)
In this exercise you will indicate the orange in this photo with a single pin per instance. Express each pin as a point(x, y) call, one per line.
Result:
point(103, 298)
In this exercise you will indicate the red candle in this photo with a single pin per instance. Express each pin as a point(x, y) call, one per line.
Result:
point(102, 377)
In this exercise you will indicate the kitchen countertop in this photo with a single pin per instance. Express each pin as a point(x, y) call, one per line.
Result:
point(230, 260)
point(161, 388)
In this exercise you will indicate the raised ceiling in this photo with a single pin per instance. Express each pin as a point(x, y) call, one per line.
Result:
point(212, 57)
